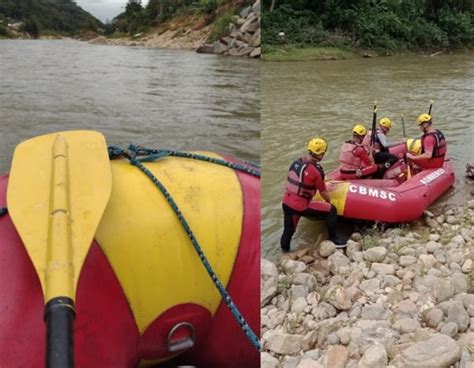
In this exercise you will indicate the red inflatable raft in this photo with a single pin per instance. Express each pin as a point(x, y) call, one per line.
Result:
point(142, 288)
point(389, 200)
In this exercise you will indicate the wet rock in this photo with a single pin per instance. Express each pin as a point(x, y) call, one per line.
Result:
point(376, 254)
point(374, 357)
point(440, 351)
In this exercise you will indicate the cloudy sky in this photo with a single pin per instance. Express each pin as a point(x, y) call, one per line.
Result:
point(104, 9)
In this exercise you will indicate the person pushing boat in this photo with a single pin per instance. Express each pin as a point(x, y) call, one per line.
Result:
point(305, 178)
point(433, 145)
point(356, 161)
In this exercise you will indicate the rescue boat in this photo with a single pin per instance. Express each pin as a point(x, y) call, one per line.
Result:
point(391, 199)
point(143, 295)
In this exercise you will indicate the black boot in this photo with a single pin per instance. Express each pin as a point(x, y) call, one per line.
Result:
point(339, 242)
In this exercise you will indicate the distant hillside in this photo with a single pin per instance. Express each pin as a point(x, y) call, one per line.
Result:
point(61, 16)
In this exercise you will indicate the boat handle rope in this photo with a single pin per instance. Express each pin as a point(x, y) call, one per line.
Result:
point(154, 154)
point(3, 211)
point(116, 152)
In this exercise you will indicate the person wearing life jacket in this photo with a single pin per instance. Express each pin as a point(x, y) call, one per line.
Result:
point(355, 159)
point(305, 178)
point(433, 145)
point(381, 153)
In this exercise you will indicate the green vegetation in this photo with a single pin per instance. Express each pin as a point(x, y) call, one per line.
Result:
point(38, 16)
point(386, 26)
point(220, 26)
point(297, 53)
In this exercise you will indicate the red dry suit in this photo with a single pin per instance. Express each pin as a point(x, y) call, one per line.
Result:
point(354, 158)
point(433, 142)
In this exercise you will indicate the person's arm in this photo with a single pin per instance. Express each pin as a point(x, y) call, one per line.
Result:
point(363, 155)
point(320, 185)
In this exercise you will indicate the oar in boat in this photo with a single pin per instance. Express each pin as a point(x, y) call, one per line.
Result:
point(58, 189)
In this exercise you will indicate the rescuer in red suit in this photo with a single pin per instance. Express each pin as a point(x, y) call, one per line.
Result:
point(433, 145)
point(305, 178)
point(356, 161)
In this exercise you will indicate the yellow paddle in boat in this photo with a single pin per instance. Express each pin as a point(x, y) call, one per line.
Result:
point(58, 189)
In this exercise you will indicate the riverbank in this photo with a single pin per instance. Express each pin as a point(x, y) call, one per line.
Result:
point(229, 34)
point(294, 53)
point(400, 297)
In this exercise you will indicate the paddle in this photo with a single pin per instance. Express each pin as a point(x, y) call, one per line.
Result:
point(374, 127)
point(403, 125)
point(58, 188)
point(431, 106)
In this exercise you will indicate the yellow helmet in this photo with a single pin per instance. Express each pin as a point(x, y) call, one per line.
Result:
point(424, 118)
point(359, 129)
point(385, 122)
point(318, 146)
point(414, 146)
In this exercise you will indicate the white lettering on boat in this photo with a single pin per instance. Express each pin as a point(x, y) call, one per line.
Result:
point(432, 177)
point(372, 192)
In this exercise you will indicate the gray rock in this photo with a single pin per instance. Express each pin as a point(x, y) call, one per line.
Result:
point(376, 254)
point(291, 362)
point(324, 311)
point(256, 53)
point(305, 279)
point(333, 339)
point(459, 281)
point(309, 363)
point(374, 357)
point(298, 291)
point(440, 351)
point(283, 343)
point(450, 329)
point(374, 312)
point(245, 11)
point(443, 290)
point(406, 307)
point(275, 318)
point(406, 261)
point(267, 269)
point(406, 325)
point(370, 285)
point(299, 305)
point(267, 361)
point(338, 263)
point(257, 8)
point(255, 39)
point(290, 266)
point(338, 297)
point(344, 335)
point(326, 248)
point(382, 268)
point(467, 266)
point(451, 220)
point(250, 24)
point(457, 314)
point(433, 317)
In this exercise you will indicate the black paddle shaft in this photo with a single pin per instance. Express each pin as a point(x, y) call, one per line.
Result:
point(374, 126)
point(59, 314)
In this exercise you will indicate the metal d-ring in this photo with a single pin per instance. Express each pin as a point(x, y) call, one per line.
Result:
point(184, 344)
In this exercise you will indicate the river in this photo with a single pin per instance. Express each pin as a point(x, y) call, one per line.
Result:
point(153, 97)
point(305, 99)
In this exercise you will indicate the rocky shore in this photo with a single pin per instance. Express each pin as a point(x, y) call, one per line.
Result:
point(398, 298)
point(244, 38)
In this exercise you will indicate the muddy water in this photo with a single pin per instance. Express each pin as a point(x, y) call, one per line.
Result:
point(306, 99)
point(152, 97)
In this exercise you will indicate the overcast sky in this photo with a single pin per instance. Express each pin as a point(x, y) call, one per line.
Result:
point(104, 9)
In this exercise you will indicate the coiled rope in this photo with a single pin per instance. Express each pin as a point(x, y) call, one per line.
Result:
point(152, 155)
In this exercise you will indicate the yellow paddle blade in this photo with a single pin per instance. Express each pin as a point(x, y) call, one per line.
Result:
point(58, 189)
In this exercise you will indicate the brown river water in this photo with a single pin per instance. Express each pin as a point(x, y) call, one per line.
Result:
point(305, 99)
point(152, 97)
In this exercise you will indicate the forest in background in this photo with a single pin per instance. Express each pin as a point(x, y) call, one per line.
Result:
point(383, 25)
point(43, 16)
